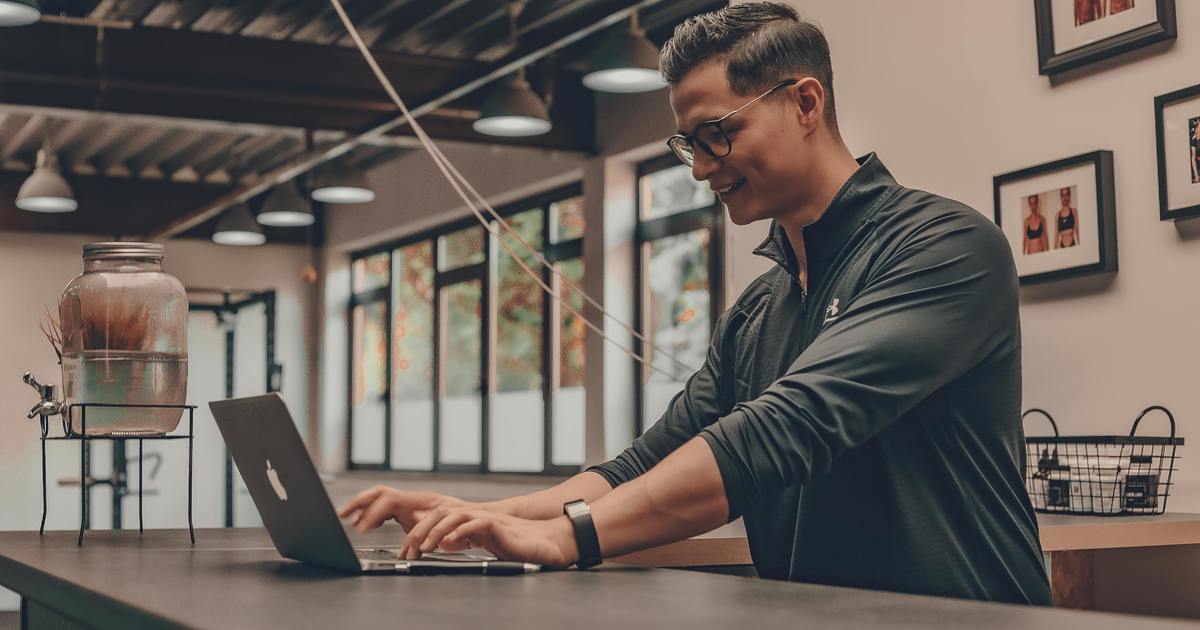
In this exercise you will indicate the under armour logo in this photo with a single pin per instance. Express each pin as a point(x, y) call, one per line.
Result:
point(831, 313)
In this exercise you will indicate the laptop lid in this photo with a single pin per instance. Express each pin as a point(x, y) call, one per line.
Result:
point(293, 503)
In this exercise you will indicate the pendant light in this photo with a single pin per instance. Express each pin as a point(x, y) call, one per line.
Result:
point(285, 207)
point(238, 227)
point(46, 190)
point(513, 110)
point(19, 12)
point(336, 182)
point(624, 61)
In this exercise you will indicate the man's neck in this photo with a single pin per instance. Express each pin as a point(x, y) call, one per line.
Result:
point(824, 184)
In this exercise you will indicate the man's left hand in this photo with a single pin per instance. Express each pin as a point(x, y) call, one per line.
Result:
point(549, 542)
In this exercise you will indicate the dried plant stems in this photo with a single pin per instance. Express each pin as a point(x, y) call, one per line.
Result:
point(108, 325)
point(117, 325)
point(51, 328)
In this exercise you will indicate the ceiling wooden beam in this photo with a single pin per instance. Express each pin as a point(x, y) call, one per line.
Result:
point(542, 46)
point(123, 208)
point(32, 127)
point(395, 36)
point(135, 10)
point(87, 149)
point(107, 206)
point(242, 80)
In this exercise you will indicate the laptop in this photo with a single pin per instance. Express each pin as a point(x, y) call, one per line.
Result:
point(296, 509)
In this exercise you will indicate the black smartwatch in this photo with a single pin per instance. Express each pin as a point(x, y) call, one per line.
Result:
point(585, 533)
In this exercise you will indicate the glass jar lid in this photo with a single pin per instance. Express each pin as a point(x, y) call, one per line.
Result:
point(123, 250)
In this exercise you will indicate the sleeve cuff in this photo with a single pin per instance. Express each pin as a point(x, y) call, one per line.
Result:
point(609, 476)
point(730, 476)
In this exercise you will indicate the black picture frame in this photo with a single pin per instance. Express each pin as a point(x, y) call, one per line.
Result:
point(1165, 213)
point(1050, 64)
point(1106, 212)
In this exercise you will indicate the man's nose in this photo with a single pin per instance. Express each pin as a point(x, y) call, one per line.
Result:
point(704, 165)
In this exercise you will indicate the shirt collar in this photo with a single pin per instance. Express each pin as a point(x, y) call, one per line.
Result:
point(852, 206)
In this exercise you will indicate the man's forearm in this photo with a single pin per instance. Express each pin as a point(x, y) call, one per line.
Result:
point(682, 496)
point(548, 503)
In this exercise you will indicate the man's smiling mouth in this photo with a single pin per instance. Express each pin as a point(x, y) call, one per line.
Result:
point(735, 186)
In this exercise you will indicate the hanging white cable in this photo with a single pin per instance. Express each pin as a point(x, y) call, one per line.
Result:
point(507, 228)
point(437, 155)
point(456, 178)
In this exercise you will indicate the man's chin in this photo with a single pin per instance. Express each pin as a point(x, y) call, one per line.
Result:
point(741, 215)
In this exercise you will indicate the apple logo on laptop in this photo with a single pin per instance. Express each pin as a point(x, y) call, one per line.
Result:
point(273, 477)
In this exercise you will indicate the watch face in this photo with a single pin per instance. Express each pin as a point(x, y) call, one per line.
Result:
point(577, 508)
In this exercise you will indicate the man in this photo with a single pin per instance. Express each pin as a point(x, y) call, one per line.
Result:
point(859, 404)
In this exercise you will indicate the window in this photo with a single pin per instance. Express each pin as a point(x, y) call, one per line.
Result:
point(412, 357)
point(518, 419)
point(368, 382)
point(478, 370)
point(678, 236)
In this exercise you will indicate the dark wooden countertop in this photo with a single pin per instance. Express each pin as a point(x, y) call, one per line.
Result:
point(234, 579)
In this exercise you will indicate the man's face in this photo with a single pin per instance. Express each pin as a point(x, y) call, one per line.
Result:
point(1033, 203)
point(1065, 196)
point(757, 180)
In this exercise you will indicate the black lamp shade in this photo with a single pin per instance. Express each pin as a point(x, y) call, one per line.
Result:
point(624, 61)
point(238, 227)
point(512, 110)
point(285, 207)
point(336, 182)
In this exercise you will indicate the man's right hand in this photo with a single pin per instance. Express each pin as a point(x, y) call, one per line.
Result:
point(375, 506)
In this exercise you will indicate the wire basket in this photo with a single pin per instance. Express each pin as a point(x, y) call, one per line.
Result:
point(1106, 475)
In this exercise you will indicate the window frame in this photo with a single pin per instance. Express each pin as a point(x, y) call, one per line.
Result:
point(647, 231)
point(484, 272)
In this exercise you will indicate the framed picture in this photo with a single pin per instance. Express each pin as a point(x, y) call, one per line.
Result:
point(1075, 33)
point(1060, 218)
point(1177, 124)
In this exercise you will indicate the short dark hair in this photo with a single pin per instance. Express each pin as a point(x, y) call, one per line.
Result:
point(761, 44)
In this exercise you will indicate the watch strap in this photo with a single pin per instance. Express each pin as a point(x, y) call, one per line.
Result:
point(586, 539)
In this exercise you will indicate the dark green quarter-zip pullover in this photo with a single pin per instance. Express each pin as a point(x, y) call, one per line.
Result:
point(868, 429)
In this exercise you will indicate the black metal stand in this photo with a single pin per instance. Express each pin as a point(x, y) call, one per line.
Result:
point(120, 440)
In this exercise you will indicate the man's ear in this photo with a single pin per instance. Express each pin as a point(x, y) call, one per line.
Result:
point(809, 96)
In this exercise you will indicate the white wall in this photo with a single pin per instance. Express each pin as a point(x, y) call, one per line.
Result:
point(36, 268)
point(948, 93)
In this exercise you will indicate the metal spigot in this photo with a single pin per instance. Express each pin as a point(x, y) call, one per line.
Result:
point(48, 405)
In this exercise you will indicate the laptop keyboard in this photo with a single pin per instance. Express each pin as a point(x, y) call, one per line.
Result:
point(376, 554)
point(471, 555)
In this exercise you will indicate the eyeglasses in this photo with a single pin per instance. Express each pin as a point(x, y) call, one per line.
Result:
point(710, 135)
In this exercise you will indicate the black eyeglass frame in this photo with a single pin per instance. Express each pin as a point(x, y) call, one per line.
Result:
point(682, 144)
